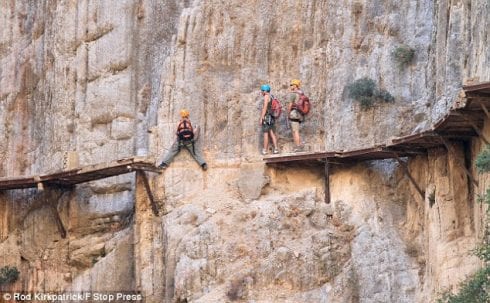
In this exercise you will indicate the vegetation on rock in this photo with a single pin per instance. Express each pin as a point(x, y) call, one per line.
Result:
point(403, 55)
point(367, 93)
point(482, 162)
point(8, 274)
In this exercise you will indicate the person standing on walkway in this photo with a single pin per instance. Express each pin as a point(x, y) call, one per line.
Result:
point(185, 138)
point(294, 115)
point(267, 120)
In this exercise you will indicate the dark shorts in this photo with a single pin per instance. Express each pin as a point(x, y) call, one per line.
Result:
point(266, 128)
point(268, 124)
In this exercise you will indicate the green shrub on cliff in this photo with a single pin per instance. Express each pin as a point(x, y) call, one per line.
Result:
point(8, 275)
point(366, 92)
point(474, 290)
point(403, 55)
point(482, 162)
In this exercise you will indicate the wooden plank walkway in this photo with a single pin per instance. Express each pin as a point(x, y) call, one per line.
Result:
point(69, 178)
point(462, 122)
point(88, 173)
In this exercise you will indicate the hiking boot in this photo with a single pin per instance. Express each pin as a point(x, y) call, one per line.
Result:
point(163, 165)
point(264, 151)
point(276, 151)
point(204, 166)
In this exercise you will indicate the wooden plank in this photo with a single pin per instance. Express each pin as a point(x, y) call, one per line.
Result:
point(476, 129)
point(154, 206)
point(474, 114)
point(479, 94)
point(414, 137)
point(461, 122)
point(145, 167)
point(408, 149)
point(299, 157)
point(12, 183)
point(461, 132)
point(80, 175)
point(484, 86)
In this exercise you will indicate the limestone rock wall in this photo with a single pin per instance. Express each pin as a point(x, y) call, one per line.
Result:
point(106, 80)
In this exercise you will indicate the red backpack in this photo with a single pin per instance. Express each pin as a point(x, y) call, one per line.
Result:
point(185, 132)
point(303, 105)
point(276, 107)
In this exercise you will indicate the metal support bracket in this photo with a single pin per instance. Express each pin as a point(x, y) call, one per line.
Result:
point(404, 166)
point(154, 206)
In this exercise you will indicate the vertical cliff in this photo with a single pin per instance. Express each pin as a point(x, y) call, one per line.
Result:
point(106, 79)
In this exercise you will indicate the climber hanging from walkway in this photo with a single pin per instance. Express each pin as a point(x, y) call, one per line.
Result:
point(298, 107)
point(267, 120)
point(185, 137)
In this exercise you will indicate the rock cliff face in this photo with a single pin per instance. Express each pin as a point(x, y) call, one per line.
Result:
point(106, 79)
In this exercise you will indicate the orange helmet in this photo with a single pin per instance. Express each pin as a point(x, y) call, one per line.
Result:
point(296, 82)
point(184, 113)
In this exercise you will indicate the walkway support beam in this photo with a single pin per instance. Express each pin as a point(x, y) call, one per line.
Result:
point(404, 166)
point(51, 197)
point(484, 108)
point(462, 165)
point(146, 183)
point(327, 181)
point(58, 221)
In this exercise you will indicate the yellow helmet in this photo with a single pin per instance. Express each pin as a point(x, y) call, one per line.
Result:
point(184, 113)
point(296, 82)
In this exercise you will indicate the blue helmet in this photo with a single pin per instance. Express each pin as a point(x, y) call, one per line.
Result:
point(265, 88)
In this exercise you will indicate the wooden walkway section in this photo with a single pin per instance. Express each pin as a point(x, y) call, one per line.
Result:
point(66, 180)
point(463, 122)
point(69, 178)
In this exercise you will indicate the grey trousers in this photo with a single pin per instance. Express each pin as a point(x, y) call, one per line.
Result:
point(174, 150)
